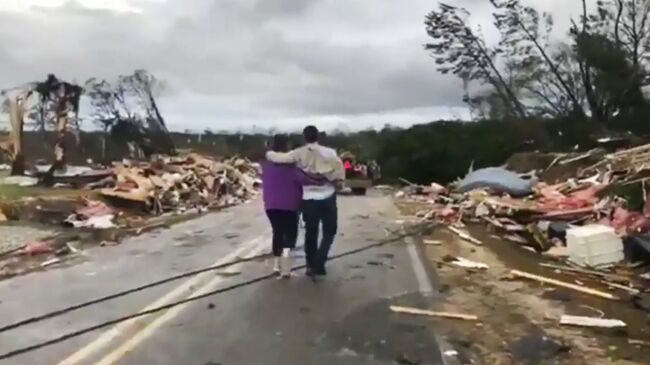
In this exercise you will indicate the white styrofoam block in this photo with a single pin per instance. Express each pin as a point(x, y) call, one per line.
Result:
point(594, 245)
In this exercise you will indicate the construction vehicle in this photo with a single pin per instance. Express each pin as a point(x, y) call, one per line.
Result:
point(359, 177)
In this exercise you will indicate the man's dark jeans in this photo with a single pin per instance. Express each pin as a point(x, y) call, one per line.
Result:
point(314, 213)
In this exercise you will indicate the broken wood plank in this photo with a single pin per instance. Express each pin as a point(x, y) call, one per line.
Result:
point(633, 341)
point(609, 276)
point(463, 262)
point(428, 313)
point(545, 280)
point(628, 289)
point(432, 242)
point(465, 236)
point(591, 322)
point(407, 182)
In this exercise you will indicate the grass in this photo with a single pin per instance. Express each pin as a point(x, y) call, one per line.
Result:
point(15, 192)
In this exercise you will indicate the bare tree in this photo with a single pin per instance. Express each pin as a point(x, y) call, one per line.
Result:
point(144, 87)
point(525, 35)
point(459, 50)
point(64, 97)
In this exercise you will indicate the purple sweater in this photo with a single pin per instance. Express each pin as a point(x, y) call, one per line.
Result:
point(282, 186)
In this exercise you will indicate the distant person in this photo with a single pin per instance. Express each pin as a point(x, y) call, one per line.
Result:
point(319, 202)
point(282, 188)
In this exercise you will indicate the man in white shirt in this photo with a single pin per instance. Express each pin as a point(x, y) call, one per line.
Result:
point(319, 201)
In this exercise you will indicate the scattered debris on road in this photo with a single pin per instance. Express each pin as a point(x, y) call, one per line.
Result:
point(580, 288)
point(422, 312)
point(591, 322)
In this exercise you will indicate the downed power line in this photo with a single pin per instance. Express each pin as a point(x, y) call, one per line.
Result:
point(67, 336)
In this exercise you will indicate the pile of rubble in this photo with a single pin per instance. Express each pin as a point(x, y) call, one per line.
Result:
point(186, 184)
point(543, 216)
point(180, 183)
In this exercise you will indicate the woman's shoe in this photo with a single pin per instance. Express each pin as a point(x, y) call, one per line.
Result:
point(286, 263)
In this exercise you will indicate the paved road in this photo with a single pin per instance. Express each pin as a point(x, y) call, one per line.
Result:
point(343, 320)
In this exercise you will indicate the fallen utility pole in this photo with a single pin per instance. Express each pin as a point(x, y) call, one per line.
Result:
point(545, 280)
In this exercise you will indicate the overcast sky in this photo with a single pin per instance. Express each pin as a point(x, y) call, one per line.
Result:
point(233, 64)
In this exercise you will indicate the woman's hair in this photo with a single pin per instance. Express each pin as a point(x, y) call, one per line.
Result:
point(280, 143)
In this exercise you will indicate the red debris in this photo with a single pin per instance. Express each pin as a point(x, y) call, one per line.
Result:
point(37, 248)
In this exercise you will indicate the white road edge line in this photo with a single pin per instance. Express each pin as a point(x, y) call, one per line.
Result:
point(426, 288)
point(107, 337)
point(146, 332)
point(424, 284)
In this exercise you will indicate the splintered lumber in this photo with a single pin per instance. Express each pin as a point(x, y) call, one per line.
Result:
point(545, 280)
point(633, 341)
point(428, 313)
point(463, 262)
point(465, 235)
point(432, 242)
point(628, 289)
point(591, 322)
point(608, 276)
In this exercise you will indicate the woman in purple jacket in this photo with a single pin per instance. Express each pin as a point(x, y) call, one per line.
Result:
point(282, 190)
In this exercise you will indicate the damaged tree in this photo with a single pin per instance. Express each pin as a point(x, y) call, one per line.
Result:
point(13, 148)
point(599, 75)
point(144, 86)
point(524, 35)
point(127, 111)
point(459, 50)
point(109, 107)
point(64, 96)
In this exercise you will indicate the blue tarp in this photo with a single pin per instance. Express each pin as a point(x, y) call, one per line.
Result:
point(497, 179)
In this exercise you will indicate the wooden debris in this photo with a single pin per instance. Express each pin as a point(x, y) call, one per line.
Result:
point(465, 236)
point(557, 252)
point(633, 341)
point(423, 312)
point(591, 322)
point(608, 276)
point(545, 280)
point(628, 289)
point(462, 262)
point(432, 242)
point(50, 262)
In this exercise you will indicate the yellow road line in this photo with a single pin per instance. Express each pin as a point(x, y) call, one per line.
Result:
point(104, 339)
point(146, 332)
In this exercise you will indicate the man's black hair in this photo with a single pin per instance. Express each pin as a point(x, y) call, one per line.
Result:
point(280, 143)
point(310, 133)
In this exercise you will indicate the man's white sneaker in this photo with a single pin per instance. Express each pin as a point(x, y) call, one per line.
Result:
point(277, 265)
